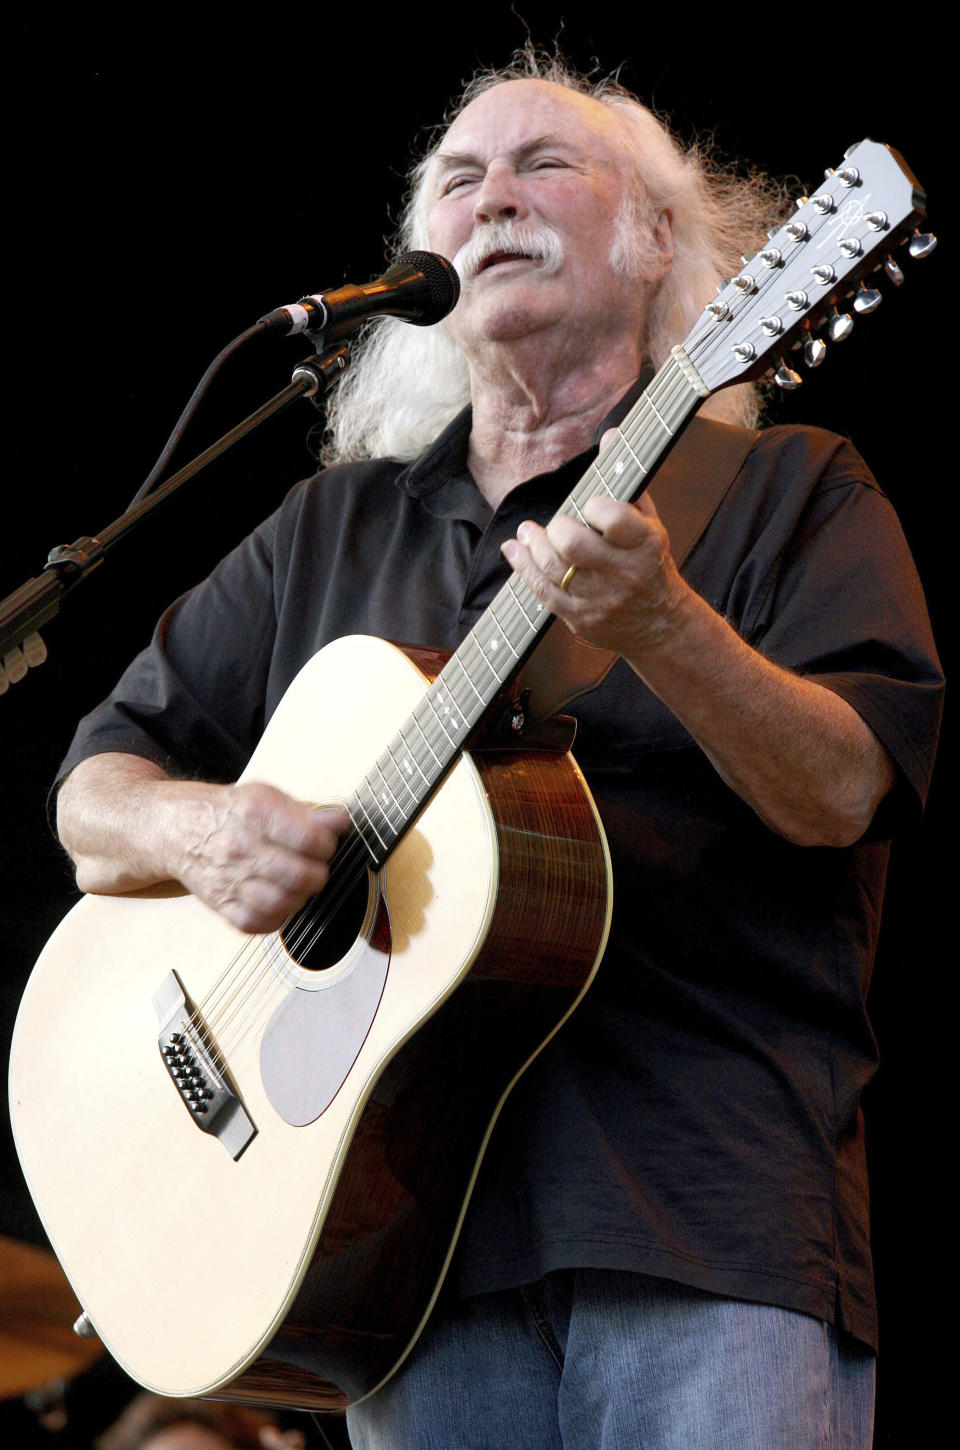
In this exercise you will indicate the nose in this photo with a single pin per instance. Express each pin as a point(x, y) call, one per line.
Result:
point(500, 196)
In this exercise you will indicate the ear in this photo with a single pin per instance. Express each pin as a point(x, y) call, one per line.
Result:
point(660, 254)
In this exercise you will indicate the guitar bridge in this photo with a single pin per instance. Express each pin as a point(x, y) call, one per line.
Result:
point(187, 1054)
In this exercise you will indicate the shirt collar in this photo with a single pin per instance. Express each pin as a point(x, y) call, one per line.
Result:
point(446, 457)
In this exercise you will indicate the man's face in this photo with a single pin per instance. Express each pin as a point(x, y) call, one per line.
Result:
point(525, 155)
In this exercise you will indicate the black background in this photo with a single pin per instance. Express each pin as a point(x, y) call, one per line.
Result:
point(166, 186)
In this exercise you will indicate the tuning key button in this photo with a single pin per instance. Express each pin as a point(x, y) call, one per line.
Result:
point(921, 244)
point(850, 247)
point(801, 201)
point(719, 310)
point(840, 326)
point(797, 231)
point(814, 352)
point(877, 221)
point(824, 204)
point(848, 176)
point(744, 283)
point(797, 300)
point(824, 274)
point(744, 351)
point(868, 299)
point(786, 378)
point(893, 271)
point(771, 326)
point(770, 257)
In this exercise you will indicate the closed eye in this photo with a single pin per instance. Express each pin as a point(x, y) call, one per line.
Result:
point(453, 183)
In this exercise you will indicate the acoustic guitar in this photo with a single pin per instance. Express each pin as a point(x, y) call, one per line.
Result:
point(253, 1155)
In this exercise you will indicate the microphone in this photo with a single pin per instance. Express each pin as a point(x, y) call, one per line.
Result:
point(420, 287)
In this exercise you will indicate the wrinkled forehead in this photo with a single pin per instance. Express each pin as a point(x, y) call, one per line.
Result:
point(512, 114)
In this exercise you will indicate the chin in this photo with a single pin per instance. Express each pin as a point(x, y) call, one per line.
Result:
point(504, 319)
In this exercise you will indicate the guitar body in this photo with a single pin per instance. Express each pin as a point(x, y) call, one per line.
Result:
point(300, 1269)
point(292, 1255)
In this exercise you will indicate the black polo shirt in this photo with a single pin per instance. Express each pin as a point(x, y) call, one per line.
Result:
point(698, 1117)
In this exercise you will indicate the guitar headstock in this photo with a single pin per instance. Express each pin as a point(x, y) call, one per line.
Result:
point(816, 270)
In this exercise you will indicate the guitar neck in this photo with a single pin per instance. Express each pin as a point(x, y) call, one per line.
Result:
point(398, 786)
point(810, 269)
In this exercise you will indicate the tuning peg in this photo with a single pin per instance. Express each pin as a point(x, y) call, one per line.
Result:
point(801, 201)
point(868, 299)
point(786, 378)
point(840, 326)
point(921, 244)
point(893, 271)
point(34, 650)
point(13, 667)
point(814, 352)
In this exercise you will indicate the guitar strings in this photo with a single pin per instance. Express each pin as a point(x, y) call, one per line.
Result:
point(240, 987)
point(667, 401)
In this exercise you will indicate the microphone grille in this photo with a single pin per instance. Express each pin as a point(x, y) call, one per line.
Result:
point(441, 279)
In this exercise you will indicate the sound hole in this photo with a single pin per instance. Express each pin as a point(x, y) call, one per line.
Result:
point(323, 931)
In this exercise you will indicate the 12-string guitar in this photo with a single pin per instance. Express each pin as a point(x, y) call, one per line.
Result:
point(253, 1154)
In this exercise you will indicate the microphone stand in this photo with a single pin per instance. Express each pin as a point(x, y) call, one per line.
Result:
point(35, 603)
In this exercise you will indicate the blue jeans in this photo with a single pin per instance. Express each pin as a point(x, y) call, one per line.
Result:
point(599, 1360)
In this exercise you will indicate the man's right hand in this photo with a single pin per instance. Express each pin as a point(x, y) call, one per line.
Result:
point(249, 851)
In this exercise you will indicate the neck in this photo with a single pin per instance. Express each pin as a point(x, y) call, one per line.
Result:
point(532, 413)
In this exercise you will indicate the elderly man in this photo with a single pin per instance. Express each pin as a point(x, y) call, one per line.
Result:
point(668, 1242)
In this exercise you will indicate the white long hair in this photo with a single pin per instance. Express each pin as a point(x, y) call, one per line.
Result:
point(407, 383)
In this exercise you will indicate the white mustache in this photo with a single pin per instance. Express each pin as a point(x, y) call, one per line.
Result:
point(538, 241)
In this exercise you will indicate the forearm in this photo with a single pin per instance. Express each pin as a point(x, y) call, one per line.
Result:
point(800, 756)
point(795, 751)
point(249, 851)
point(115, 822)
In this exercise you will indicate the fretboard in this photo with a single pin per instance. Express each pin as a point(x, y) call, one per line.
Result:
point(399, 784)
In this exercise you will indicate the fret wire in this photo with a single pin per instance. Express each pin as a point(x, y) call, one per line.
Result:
point(454, 674)
point(369, 822)
point(452, 739)
point(519, 622)
point(595, 468)
point(464, 675)
point(473, 645)
point(353, 807)
point(489, 647)
point(422, 709)
point(531, 622)
point(402, 778)
point(387, 804)
point(636, 460)
point(383, 798)
point(505, 633)
point(412, 755)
